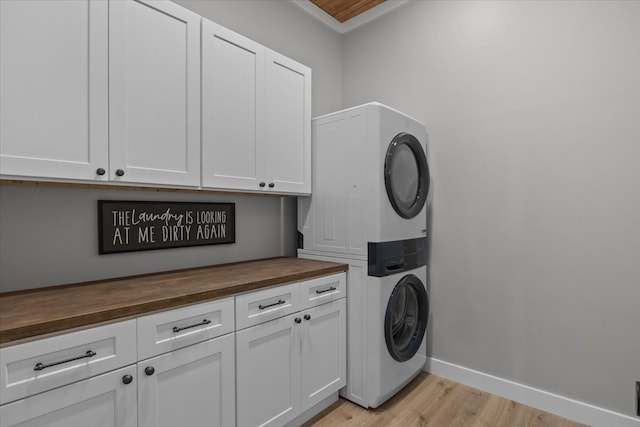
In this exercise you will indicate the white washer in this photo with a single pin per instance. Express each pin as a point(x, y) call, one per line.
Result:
point(370, 181)
point(379, 364)
point(399, 303)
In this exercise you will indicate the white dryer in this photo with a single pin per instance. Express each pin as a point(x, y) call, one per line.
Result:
point(370, 181)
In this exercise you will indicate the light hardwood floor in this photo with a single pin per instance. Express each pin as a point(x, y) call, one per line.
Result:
point(437, 402)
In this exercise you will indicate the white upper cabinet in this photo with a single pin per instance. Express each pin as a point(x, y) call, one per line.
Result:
point(154, 93)
point(256, 116)
point(53, 89)
point(232, 109)
point(288, 153)
point(120, 91)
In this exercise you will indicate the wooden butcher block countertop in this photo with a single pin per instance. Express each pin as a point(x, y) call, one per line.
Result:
point(30, 313)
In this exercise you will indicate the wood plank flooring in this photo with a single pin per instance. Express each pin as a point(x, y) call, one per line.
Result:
point(437, 402)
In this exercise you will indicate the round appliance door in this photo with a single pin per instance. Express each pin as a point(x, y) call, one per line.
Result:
point(406, 318)
point(406, 175)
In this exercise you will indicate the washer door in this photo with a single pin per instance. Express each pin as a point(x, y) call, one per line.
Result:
point(406, 318)
point(406, 175)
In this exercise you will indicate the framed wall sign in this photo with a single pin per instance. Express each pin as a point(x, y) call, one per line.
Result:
point(126, 226)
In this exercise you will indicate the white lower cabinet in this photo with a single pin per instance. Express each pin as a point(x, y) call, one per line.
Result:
point(186, 371)
point(268, 376)
point(193, 386)
point(188, 366)
point(107, 400)
point(184, 375)
point(324, 354)
point(287, 365)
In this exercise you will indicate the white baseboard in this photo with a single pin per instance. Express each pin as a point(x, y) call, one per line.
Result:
point(549, 402)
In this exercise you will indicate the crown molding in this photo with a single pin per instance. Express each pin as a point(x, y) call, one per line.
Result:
point(353, 23)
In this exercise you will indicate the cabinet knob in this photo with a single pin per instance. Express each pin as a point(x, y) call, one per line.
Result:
point(119, 172)
point(100, 171)
point(297, 320)
point(127, 379)
point(271, 185)
point(307, 317)
point(149, 370)
point(262, 184)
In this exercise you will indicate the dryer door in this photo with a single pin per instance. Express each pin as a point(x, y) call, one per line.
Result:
point(406, 318)
point(406, 175)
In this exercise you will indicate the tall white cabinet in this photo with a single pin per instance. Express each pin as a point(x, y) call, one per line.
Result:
point(256, 115)
point(154, 93)
point(54, 89)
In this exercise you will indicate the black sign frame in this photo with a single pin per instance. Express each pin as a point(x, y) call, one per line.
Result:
point(180, 225)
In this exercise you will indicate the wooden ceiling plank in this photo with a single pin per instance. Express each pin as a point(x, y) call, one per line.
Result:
point(344, 10)
point(330, 6)
point(355, 8)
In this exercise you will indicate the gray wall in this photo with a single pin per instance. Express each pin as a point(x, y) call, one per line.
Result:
point(533, 113)
point(48, 236)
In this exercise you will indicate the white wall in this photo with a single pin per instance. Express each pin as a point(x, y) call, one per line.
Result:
point(48, 236)
point(533, 112)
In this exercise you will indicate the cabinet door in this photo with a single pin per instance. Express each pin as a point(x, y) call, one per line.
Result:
point(324, 354)
point(53, 86)
point(193, 386)
point(154, 93)
point(268, 373)
point(232, 109)
point(102, 401)
point(288, 145)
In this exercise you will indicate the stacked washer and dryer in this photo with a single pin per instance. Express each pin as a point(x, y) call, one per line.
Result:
point(368, 210)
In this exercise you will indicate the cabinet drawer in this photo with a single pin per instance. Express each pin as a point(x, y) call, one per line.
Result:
point(261, 306)
point(323, 289)
point(44, 364)
point(169, 330)
point(101, 401)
